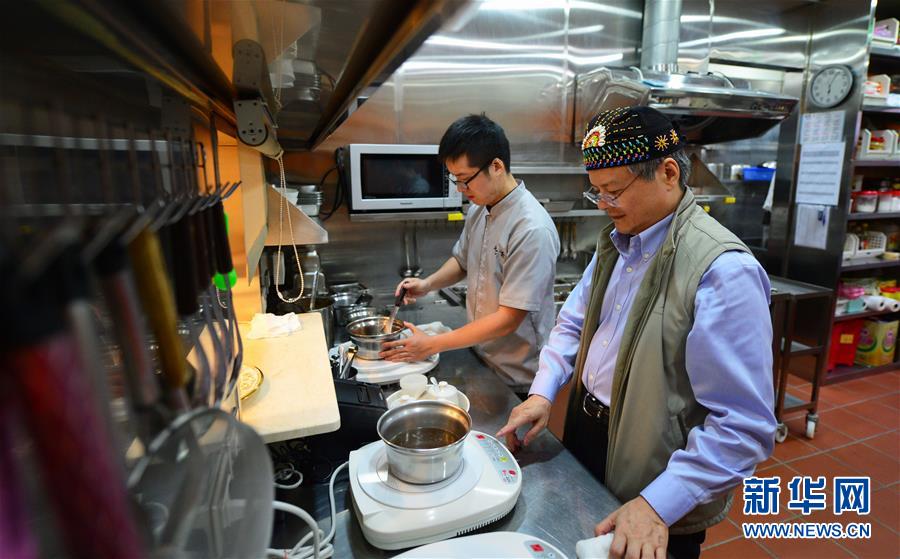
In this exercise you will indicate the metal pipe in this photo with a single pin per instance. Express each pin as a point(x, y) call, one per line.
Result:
point(659, 42)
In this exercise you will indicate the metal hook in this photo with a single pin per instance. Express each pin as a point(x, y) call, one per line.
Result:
point(231, 190)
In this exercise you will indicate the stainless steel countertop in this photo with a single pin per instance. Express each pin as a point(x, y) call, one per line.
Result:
point(560, 501)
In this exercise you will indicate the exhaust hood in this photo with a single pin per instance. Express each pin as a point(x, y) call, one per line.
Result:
point(709, 108)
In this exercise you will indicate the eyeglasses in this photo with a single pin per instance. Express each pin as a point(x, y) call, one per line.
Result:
point(465, 184)
point(596, 197)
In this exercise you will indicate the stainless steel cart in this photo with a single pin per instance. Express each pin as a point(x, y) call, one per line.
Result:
point(801, 319)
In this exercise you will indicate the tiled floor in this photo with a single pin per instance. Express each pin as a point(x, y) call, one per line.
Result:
point(858, 434)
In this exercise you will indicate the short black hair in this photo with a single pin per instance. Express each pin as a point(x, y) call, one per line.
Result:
point(477, 137)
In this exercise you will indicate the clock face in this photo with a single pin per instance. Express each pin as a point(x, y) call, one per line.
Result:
point(830, 86)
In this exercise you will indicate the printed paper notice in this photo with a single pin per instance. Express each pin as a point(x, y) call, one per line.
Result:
point(812, 226)
point(818, 128)
point(819, 176)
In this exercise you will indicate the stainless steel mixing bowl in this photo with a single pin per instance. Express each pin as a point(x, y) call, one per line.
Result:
point(369, 333)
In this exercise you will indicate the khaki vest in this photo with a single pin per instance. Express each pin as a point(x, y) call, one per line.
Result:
point(653, 408)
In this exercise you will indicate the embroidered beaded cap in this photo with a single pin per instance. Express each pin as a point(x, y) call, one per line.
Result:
point(628, 135)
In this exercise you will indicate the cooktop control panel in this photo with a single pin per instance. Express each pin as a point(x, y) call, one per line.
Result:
point(540, 550)
point(500, 459)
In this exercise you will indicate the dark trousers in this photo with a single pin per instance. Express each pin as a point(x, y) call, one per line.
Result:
point(588, 439)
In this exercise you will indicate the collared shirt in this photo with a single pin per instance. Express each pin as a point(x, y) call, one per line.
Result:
point(509, 255)
point(636, 252)
point(729, 377)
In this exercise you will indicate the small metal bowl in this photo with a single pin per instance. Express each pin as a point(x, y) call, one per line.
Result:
point(424, 440)
point(368, 334)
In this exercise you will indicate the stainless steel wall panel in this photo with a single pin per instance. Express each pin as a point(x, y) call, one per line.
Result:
point(840, 36)
point(515, 61)
point(764, 32)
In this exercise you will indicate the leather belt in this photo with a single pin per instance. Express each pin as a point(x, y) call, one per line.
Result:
point(593, 408)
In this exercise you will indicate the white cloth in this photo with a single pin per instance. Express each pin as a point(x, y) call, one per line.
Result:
point(272, 326)
point(594, 548)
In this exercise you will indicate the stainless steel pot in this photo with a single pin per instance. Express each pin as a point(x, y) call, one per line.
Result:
point(369, 333)
point(424, 440)
point(346, 303)
point(357, 312)
point(324, 306)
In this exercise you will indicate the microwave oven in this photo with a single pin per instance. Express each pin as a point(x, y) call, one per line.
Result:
point(396, 177)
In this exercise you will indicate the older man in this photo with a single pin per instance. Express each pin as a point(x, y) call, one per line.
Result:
point(669, 335)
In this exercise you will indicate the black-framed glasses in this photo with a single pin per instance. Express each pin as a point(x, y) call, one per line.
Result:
point(595, 196)
point(465, 184)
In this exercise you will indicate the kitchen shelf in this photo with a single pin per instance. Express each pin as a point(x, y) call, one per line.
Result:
point(798, 349)
point(876, 163)
point(872, 215)
point(306, 230)
point(712, 197)
point(585, 212)
point(535, 169)
point(453, 216)
point(443, 215)
point(871, 263)
point(872, 108)
point(843, 372)
point(886, 52)
point(866, 314)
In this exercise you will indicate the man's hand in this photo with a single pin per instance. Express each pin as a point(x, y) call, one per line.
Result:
point(640, 532)
point(536, 411)
point(415, 287)
point(417, 347)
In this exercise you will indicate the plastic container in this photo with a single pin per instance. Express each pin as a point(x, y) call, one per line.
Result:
point(758, 174)
point(851, 243)
point(877, 342)
point(865, 201)
point(413, 385)
point(885, 31)
point(885, 202)
point(850, 291)
point(891, 292)
point(871, 243)
point(844, 338)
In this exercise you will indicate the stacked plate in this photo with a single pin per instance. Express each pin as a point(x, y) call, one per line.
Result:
point(309, 200)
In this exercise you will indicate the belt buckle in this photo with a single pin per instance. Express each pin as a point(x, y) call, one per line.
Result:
point(596, 415)
point(584, 403)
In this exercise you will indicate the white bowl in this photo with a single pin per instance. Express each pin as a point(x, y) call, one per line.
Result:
point(392, 400)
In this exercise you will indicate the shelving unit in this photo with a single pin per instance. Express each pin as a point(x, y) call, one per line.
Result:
point(842, 373)
point(872, 216)
point(857, 315)
point(882, 60)
point(456, 215)
point(878, 51)
point(875, 163)
point(873, 263)
point(869, 108)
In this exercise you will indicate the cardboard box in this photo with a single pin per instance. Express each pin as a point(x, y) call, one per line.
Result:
point(877, 342)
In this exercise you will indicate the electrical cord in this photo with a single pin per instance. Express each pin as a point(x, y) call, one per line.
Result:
point(297, 455)
point(281, 212)
point(285, 473)
point(339, 187)
point(321, 547)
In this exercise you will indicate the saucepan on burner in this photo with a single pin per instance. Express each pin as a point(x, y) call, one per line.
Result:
point(424, 440)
